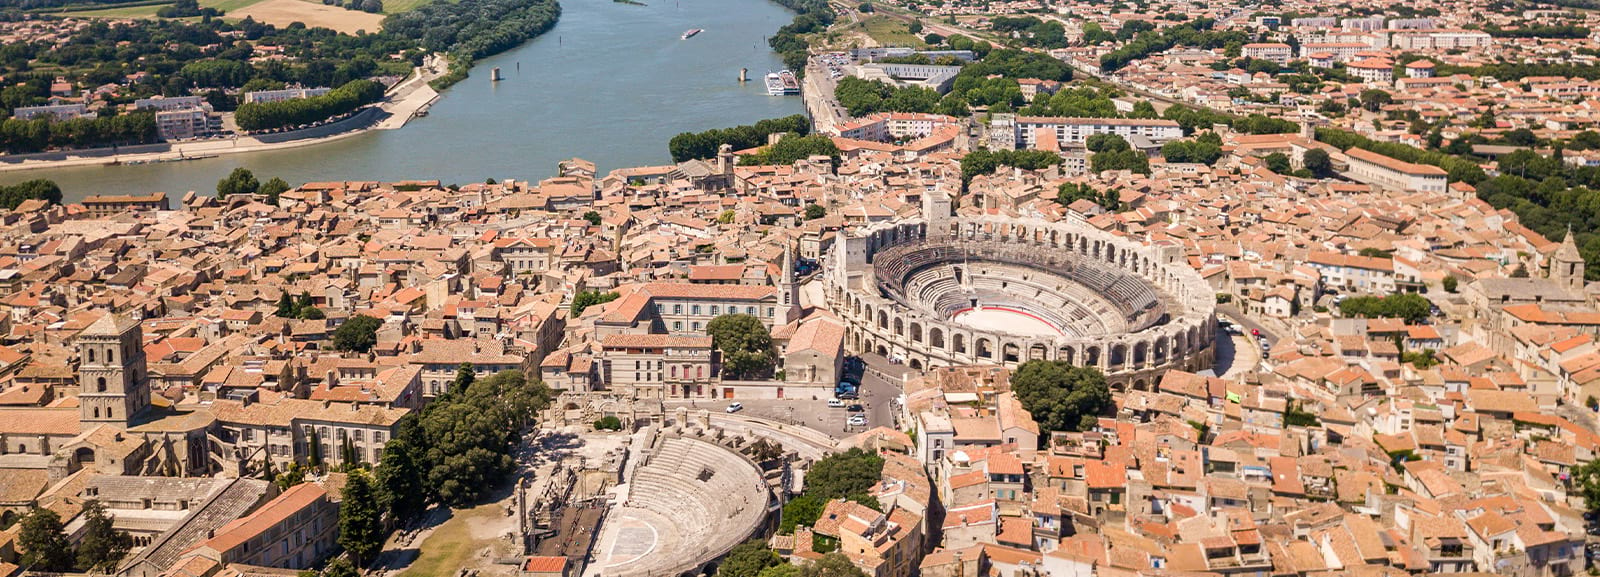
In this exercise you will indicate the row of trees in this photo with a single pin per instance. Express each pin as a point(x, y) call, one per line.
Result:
point(299, 111)
point(459, 446)
point(22, 136)
point(1412, 307)
point(1195, 33)
point(984, 161)
point(472, 29)
point(794, 147)
point(692, 145)
point(861, 97)
point(1070, 192)
point(1112, 152)
point(811, 16)
point(37, 189)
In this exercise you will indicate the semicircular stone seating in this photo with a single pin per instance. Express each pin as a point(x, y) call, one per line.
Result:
point(708, 498)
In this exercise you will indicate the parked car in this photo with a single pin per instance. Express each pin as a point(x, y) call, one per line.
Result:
point(858, 421)
point(856, 408)
point(835, 403)
point(736, 407)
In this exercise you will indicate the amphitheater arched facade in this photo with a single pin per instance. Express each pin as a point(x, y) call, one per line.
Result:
point(1171, 324)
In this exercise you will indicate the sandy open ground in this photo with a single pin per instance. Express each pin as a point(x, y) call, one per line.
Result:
point(283, 12)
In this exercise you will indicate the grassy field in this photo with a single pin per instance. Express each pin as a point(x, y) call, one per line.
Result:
point(890, 32)
point(398, 6)
point(451, 545)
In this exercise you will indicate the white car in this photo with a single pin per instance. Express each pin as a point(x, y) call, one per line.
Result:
point(858, 421)
point(736, 407)
point(835, 403)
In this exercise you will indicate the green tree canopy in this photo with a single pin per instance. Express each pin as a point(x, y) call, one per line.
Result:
point(44, 542)
point(37, 189)
point(1060, 396)
point(746, 345)
point(357, 334)
point(101, 547)
point(585, 299)
point(360, 518)
point(747, 559)
point(240, 181)
point(1412, 307)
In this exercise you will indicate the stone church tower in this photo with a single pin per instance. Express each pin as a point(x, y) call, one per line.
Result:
point(1566, 265)
point(114, 387)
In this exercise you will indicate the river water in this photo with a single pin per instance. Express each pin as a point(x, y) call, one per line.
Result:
point(611, 83)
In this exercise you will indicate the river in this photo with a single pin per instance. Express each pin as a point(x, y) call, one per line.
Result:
point(611, 83)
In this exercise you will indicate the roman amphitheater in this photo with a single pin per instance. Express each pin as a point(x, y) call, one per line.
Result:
point(969, 290)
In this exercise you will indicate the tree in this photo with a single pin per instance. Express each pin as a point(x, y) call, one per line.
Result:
point(781, 570)
point(1374, 100)
point(746, 345)
point(747, 559)
point(1061, 397)
point(608, 423)
point(1129, 160)
point(1318, 162)
point(360, 518)
point(844, 475)
point(1521, 271)
point(101, 546)
point(593, 218)
point(831, 565)
point(804, 509)
point(585, 299)
point(43, 542)
point(1412, 307)
point(1587, 479)
point(286, 308)
point(37, 189)
point(240, 181)
point(726, 216)
point(291, 476)
point(357, 334)
point(815, 211)
point(466, 374)
point(398, 480)
point(272, 188)
point(1106, 143)
point(1450, 283)
point(340, 567)
point(1278, 162)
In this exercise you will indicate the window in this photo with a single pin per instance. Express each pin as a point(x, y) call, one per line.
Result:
point(715, 310)
point(677, 309)
point(695, 309)
point(100, 385)
point(677, 325)
point(696, 325)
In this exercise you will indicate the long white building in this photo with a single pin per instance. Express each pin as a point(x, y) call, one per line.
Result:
point(1074, 131)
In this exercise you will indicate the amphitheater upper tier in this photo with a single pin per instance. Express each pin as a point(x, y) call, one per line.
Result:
point(963, 290)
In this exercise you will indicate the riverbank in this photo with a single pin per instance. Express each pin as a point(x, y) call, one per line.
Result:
point(403, 102)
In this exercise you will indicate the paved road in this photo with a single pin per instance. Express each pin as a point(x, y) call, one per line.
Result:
point(1232, 313)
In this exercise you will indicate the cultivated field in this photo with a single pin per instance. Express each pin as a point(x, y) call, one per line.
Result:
point(276, 12)
point(284, 12)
